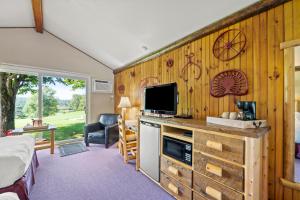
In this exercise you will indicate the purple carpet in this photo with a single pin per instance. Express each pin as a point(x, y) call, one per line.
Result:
point(93, 175)
point(297, 170)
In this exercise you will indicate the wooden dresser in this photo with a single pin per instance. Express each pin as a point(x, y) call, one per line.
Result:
point(227, 163)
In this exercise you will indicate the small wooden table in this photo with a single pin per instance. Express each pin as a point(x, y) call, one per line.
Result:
point(39, 145)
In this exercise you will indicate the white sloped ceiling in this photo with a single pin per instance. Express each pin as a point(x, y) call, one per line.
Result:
point(117, 32)
point(16, 13)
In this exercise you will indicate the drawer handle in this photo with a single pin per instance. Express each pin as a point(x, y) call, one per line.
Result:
point(173, 170)
point(213, 193)
point(173, 188)
point(214, 145)
point(214, 169)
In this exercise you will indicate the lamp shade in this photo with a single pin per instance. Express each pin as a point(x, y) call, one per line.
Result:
point(124, 103)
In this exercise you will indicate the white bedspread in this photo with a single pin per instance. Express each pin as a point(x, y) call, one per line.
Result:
point(9, 196)
point(15, 157)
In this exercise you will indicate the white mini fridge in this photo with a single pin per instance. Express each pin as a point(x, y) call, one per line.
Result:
point(150, 149)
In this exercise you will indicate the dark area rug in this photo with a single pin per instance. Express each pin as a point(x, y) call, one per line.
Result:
point(72, 148)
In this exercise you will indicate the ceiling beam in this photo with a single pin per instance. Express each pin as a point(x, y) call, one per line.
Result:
point(249, 11)
point(38, 15)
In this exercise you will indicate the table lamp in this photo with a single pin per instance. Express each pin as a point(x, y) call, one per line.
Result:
point(124, 103)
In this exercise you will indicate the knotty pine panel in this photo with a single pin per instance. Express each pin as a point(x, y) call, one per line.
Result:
point(262, 62)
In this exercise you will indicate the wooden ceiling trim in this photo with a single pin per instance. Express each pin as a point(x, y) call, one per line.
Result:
point(38, 15)
point(238, 16)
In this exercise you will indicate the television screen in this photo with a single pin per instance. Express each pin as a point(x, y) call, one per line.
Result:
point(161, 99)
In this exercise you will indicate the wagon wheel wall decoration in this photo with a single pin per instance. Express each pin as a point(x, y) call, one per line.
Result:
point(229, 44)
point(191, 62)
point(229, 82)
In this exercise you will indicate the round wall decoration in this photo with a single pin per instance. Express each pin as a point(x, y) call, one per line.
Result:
point(229, 44)
point(229, 82)
point(121, 89)
point(170, 62)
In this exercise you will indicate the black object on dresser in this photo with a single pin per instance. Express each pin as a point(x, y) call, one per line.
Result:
point(248, 108)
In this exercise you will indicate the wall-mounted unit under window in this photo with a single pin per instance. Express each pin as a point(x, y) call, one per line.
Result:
point(102, 86)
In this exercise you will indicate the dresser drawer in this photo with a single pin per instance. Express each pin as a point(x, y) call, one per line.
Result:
point(223, 172)
point(198, 197)
point(213, 190)
point(175, 188)
point(225, 147)
point(180, 173)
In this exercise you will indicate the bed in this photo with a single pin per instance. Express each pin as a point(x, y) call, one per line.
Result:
point(9, 196)
point(18, 163)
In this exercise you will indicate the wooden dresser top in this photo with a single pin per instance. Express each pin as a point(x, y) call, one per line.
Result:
point(201, 124)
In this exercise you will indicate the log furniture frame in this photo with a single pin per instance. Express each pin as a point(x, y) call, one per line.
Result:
point(39, 145)
point(243, 150)
point(127, 146)
point(289, 117)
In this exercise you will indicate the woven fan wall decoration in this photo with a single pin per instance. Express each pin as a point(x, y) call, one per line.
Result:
point(229, 82)
point(149, 81)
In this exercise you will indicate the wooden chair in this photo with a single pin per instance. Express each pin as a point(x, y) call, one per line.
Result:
point(127, 142)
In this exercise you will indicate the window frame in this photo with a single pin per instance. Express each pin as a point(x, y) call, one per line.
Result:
point(40, 73)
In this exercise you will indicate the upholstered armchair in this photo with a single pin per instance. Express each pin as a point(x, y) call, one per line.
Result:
point(103, 132)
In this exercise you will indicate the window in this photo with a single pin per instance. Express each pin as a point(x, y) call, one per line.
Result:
point(57, 100)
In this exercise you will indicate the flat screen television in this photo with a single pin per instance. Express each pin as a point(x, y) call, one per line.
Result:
point(161, 99)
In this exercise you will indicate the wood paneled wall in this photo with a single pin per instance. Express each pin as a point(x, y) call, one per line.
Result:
point(262, 62)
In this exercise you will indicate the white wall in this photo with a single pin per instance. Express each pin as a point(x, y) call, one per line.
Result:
point(23, 46)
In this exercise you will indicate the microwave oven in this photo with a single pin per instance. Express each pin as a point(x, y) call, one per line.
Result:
point(177, 149)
